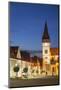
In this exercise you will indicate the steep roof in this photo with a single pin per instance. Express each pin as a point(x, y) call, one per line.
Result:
point(54, 51)
point(13, 51)
point(45, 37)
point(36, 59)
point(25, 55)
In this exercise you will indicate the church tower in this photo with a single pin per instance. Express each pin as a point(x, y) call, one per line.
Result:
point(46, 48)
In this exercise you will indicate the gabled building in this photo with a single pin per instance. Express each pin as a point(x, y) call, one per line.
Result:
point(54, 60)
point(21, 59)
point(14, 61)
point(36, 65)
point(28, 66)
point(25, 63)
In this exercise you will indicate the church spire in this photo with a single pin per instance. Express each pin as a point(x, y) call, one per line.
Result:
point(45, 37)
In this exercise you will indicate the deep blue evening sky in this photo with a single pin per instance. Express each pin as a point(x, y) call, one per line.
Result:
point(27, 24)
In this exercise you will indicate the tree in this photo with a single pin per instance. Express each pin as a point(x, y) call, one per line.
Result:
point(37, 71)
point(16, 69)
point(25, 70)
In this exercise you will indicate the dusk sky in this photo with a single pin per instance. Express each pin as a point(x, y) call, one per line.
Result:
point(27, 23)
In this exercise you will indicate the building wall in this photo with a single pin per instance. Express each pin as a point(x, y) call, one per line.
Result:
point(22, 64)
point(46, 64)
point(25, 64)
point(13, 63)
point(46, 54)
point(55, 66)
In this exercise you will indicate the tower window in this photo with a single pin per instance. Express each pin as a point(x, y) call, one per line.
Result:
point(46, 57)
point(46, 51)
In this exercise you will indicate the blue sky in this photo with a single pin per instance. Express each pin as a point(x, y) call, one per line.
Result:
point(27, 24)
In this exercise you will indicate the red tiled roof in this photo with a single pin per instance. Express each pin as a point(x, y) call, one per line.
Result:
point(54, 51)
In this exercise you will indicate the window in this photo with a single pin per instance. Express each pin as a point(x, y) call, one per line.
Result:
point(46, 51)
point(46, 57)
point(47, 67)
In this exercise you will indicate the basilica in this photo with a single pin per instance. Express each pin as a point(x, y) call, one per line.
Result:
point(23, 65)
